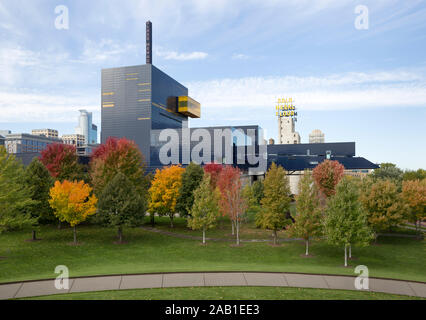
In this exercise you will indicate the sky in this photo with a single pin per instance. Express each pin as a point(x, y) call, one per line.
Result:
point(236, 57)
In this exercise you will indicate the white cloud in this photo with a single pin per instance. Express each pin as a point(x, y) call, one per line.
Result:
point(18, 106)
point(174, 55)
point(332, 92)
point(106, 50)
point(239, 56)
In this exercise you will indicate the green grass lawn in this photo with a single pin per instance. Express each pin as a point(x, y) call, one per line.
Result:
point(228, 293)
point(149, 252)
point(247, 230)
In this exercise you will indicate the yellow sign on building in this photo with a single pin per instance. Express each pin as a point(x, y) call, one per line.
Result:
point(285, 107)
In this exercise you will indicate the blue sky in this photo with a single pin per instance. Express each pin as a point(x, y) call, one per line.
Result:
point(236, 57)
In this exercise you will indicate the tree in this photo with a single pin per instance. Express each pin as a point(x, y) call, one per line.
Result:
point(253, 205)
point(61, 161)
point(38, 181)
point(276, 201)
point(72, 202)
point(346, 222)
point(191, 179)
point(205, 210)
point(414, 194)
point(164, 191)
point(214, 170)
point(232, 202)
point(14, 196)
point(388, 171)
point(419, 174)
point(117, 155)
point(121, 204)
point(383, 203)
point(308, 220)
point(257, 188)
point(327, 175)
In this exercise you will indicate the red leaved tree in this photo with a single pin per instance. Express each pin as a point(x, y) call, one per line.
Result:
point(61, 161)
point(117, 155)
point(327, 175)
point(232, 203)
point(214, 170)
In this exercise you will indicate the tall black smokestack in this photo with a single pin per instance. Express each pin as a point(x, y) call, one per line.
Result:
point(148, 42)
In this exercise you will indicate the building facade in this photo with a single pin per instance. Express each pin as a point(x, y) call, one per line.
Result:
point(86, 127)
point(316, 136)
point(49, 133)
point(27, 143)
point(139, 99)
point(76, 140)
point(286, 131)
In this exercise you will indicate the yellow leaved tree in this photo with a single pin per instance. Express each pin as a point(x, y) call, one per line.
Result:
point(72, 202)
point(164, 191)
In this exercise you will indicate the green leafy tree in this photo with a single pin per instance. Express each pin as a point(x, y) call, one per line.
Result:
point(253, 206)
point(257, 188)
point(346, 222)
point(308, 220)
point(383, 203)
point(275, 213)
point(38, 181)
point(14, 195)
point(191, 179)
point(121, 205)
point(419, 174)
point(388, 171)
point(205, 209)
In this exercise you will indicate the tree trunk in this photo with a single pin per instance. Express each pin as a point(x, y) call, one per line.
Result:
point(34, 235)
point(75, 234)
point(350, 251)
point(153, 220)
point(120, 234)
point(346, 257)
point(171, 220)
point(204, 235)
point(232, 223)
point(307, 247)
point(59, 225)
point(275, 237)
point(237, 225)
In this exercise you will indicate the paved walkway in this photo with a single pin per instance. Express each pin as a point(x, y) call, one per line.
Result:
point(208, 279)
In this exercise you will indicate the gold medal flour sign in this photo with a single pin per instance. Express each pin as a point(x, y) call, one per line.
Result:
point(285, 108)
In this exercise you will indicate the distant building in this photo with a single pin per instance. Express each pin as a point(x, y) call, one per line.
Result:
point(86, 128)
point(4, 133)
point(27, 143)
point(76, 140)
point(2, 140)
point(297, 158)
point(286, 131)
point(49, 133)
point(316, 136)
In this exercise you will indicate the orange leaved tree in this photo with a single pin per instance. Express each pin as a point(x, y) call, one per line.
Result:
point(72, 202)
point(327, 175)
point(164, 191)
point(232, 203)
point(414, 194)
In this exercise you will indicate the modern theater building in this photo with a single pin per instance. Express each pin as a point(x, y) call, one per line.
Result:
point(138, 102)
